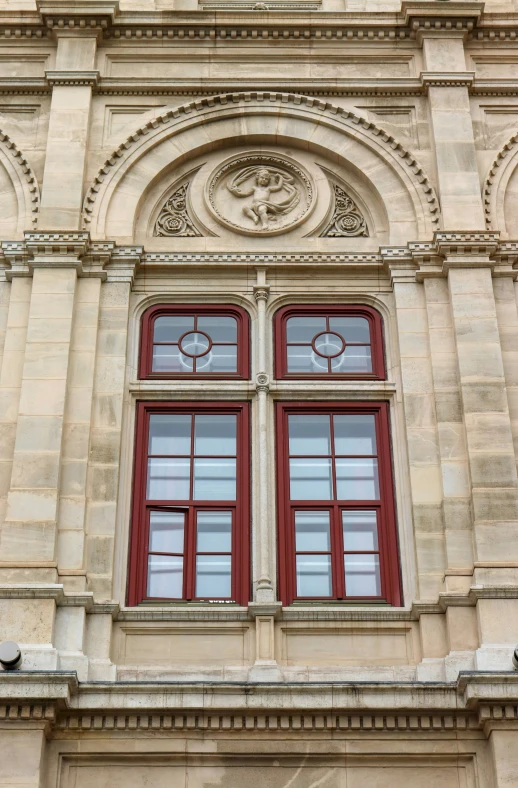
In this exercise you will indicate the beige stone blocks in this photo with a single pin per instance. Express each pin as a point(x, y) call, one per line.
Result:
point(103, 468)
point(29, 529)
point(22, 753)
point(422, 435)
point(76, 433)
point(492, 463)
point(17, 317)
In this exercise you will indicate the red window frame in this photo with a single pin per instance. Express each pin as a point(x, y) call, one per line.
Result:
point(160, 310)
point(385, 507)
point(302, 310)
point(138, 563)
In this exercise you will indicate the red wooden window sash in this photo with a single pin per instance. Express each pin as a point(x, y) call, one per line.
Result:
point(376, 335)
point(145, 365)
point(240, 507)
point(384, 507)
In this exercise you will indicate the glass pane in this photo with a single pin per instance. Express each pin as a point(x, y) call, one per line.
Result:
point(362, 575)
point(214, 532)
point(314, 575)
point(303, 329)
point(360, 531)
point(165, 576)
point(167, 358)
point(168, 479)
point(357, 480)
point(171, 327)
point(309, 434)
point(213, 576)
point(222, 358)
point(353, 329)
point(215, 435)
point(310, 480)
point(329, 344)
point(355, 434)
point(169, 434)
point(355, 358)
point(219, 329)
point(166, 532)
point(215, 480)
point(194, 344)
point(299, 359)
point(312, 532)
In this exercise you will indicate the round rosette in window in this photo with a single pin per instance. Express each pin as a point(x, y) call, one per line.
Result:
point(259, 193)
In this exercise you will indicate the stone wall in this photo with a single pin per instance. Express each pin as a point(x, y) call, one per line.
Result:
point(121, 127)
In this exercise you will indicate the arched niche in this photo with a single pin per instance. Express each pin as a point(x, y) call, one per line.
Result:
point(386, 182)
point(19, 194)
point(500, 191)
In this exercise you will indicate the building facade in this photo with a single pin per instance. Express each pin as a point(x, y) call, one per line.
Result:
point(259, 393)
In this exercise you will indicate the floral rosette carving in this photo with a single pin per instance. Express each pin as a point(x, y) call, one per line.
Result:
point(347, 220)
point(174, 220)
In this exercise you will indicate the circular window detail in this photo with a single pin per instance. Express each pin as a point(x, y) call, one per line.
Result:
point(260, 194)
point(328, 344)
point(195, 344)
point(336, 344)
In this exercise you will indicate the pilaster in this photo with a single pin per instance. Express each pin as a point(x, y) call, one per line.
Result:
point(421, 423)
point(73, 369)
point(72, 81)
point(102, 480)
point(447, 82)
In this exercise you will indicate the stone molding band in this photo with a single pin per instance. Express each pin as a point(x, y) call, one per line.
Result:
point(417, 260)
point(475, 701)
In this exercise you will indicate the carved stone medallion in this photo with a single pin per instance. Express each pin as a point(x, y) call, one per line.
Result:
point(260, 194)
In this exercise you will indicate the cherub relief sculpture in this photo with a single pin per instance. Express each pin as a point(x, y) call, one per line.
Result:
point(265, 181)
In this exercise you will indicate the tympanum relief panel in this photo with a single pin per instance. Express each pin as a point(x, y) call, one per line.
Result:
point(260, 193)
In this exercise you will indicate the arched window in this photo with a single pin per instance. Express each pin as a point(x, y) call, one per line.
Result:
point(329, 341)
point(199, 341)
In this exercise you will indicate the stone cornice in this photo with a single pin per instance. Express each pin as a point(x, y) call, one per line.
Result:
point(164, 86)
point(70, 249)
point(477, 701)
point(89, 78)
point(451, 79)
point(415, 21)
point(106, 260)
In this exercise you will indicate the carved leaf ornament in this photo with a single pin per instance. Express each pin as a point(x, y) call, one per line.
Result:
point(347, 220)
point(174, 220)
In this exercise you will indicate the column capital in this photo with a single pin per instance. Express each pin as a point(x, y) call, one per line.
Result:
point(261, 292)
point(262, 382)
point(85, 16)
point(447, 79)
point(72, 78)
point(399, 263)
point(101, 259)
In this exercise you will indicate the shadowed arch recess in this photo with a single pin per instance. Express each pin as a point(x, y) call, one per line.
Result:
point(19, 192)
point(307, 122)
point(500, 191)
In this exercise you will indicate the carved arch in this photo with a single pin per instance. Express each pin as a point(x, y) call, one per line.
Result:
point(237, 107)
point(23, 182)
point(496, 182)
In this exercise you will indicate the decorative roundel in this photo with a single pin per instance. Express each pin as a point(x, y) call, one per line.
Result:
point(260, 194)
point(195, 344)
point(328, 344)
